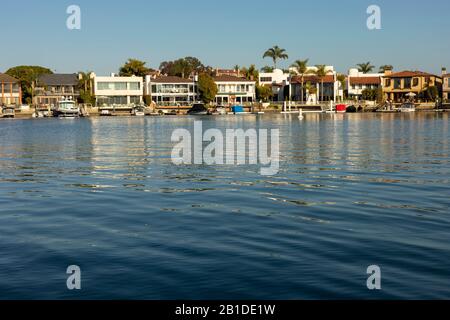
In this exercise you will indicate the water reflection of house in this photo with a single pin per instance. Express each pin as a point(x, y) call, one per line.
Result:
point(397, 86)
point(232, 90)
point(51, 88)
point(11, 93)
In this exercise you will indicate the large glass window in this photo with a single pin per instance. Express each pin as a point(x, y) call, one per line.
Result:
point(112, 86)
point(135, 86)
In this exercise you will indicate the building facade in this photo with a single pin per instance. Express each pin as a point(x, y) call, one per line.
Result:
point(51, 88)
point(446, 87)
point(114, 90)
point(312, 86)
point(277, 80)
point(397, 86)
point(357, 82)
point(234, 90)
point(11, 92)
point(171, 91)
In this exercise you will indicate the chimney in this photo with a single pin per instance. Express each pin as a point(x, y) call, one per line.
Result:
point(444, 71)
point(387, 72)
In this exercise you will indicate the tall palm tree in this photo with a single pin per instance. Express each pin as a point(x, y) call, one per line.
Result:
point(301, 68)
point(321, 72)
point(276, 53)
point(341, 78)
point(386, 67)
point(365, 67)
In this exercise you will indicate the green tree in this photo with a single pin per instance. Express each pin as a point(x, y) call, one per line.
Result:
point(134, 67)
point(183, 67)
point(321, 72)
point(301, 69)
point(267, 69)
point(207, 88)
point(432, 93)
point(264, 93)
point(342, 80)
point(276, 53)
point(251, 73)
point(27, 76)
point(86, 88)
point(365, 67)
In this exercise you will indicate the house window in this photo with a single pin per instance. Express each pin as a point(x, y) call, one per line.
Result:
point(266, 79)
point(397, 83)
point(407, 83)
point(388, 82)
point(135, 86)
point(415, 82)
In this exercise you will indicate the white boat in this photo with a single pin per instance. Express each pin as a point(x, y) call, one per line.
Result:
point(407, 107)
point(66, 108)
point(139, 111)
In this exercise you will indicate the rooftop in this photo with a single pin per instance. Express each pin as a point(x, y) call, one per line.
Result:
point(365, 80)
point(7, 78)
point(59, 79)
point(228, 78)
point(171, 79)
point(313, 79)
point(409, 74)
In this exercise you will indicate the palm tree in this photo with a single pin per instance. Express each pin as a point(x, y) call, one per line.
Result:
point(341, 78)
point(267, 69)
point(85, 84)
point(385, 68)
point(301, 68)
point(321, 72)
point(276, 53)
point(365, 67)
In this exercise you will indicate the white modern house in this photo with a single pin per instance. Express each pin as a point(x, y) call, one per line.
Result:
point(171, 91)
point(357, 82)
point(115, 90)
point(234, 90)
point(278, 80)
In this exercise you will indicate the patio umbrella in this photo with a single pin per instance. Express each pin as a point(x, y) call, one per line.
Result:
point(411, 94)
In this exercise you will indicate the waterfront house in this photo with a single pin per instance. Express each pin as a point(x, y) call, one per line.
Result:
point(445, 86)
point(312, 84)
point(119, 91)
point(277, 80)
point(357, 82)
point(397, 87)
point(11, 92)
point(52, 88)
point(227, 72)
point(234, 90)
point(171, 91)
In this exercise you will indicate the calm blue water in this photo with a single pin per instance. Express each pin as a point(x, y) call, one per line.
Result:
point(352, 191)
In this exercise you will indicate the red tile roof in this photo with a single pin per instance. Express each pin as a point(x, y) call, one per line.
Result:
point(365, 80)
point(409, 74)
point(313, 79)
point(5, 78)
point(228, 78)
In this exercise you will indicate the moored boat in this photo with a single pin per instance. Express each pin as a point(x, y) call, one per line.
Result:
point(66, 108)
point(407, 107)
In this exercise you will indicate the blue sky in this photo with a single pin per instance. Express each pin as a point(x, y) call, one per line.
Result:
point(414, 35)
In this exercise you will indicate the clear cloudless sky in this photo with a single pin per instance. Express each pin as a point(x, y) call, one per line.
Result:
point(414, 35)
